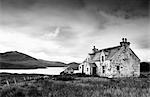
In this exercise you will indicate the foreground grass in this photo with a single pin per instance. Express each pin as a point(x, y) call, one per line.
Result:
point(81, 87)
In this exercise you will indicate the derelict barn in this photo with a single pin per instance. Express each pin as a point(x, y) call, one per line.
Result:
point(118, 61)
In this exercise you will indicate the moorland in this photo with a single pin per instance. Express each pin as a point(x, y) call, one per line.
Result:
point(33, 85)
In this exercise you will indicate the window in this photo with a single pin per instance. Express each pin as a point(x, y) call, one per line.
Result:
point(118, 68)
point(87, 69)
point(102, 58)
point(103, 69)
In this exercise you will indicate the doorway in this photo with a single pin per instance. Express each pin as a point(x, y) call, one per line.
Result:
point(82, 68)
point(94, 70)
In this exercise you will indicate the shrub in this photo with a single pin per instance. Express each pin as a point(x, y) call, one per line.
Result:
point(12, 92)
point(83, 87)
point(64, 77)
point(33, 92)
point(143, 76)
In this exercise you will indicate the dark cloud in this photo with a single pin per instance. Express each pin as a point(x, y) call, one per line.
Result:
point(121, 8)
point(67, 37)
point(17, 4)
point(15, 11)
point(27, 4)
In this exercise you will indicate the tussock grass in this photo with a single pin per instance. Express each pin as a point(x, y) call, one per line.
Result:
point(83, 87)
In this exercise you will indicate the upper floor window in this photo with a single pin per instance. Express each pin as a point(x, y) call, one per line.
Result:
point(118, 68)
point(103, 69)
point(102, 58)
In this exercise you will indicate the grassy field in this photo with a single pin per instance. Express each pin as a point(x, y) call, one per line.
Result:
point(80, 87)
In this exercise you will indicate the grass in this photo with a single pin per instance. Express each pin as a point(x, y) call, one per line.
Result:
point(81, 87)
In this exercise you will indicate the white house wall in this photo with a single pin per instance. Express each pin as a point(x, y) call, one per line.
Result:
point(135, 63)
point(86, 66)
point(102, 54)
point(98, 64)
point(80, 67)
point(108, 69)
point(87, 69)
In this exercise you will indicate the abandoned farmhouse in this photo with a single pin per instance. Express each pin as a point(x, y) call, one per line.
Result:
point(118, 61)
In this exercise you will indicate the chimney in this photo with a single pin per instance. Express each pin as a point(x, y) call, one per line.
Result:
point(124, 43)
point(94, 49)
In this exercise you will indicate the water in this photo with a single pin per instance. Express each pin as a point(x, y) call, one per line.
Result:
point(48, 70)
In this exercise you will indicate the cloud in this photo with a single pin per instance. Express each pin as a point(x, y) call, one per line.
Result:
point(51, 34)
point(42, 19)
point(64, 29)
point(121, 8)
point(22, 42)
point(144, 41)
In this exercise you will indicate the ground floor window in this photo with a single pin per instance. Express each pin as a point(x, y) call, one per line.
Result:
point(103, 69)
point(82, 68)
point(118, 68)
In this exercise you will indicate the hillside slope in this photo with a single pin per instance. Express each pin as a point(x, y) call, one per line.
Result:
point(18, 60)
point(145, 66)
point(73, 65)
point(52, 63)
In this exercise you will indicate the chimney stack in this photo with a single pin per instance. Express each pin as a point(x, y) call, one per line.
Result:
point(124, 43)
point(94, 49)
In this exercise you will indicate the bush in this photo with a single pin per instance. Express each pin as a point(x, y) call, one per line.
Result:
point(33, 92)
point(12, 92)
point(83, 87)
point(143, 76)
point(64, 77)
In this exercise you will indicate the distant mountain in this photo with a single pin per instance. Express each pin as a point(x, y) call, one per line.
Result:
point(145, 66)
point(73, 65)
point(53, 63)
point(15, 56)
point(18, 60)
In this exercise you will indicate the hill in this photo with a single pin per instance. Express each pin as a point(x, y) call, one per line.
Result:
point(52, 63)
point(18, 60)
point(73, 65)
point(145, 66)
point(15, 56)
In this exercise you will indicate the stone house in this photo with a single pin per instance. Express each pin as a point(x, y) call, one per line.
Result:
point(71, 68)
point(68, 70)
point(118, 61)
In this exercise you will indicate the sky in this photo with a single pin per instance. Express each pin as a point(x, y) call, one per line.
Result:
point(67, 30)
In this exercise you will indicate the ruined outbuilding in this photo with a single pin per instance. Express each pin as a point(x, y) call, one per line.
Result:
point(118, 61)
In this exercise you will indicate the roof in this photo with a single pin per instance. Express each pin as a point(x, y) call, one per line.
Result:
point(109, 52)
point(134, 54)
point(73, 66)
point(92, 64)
